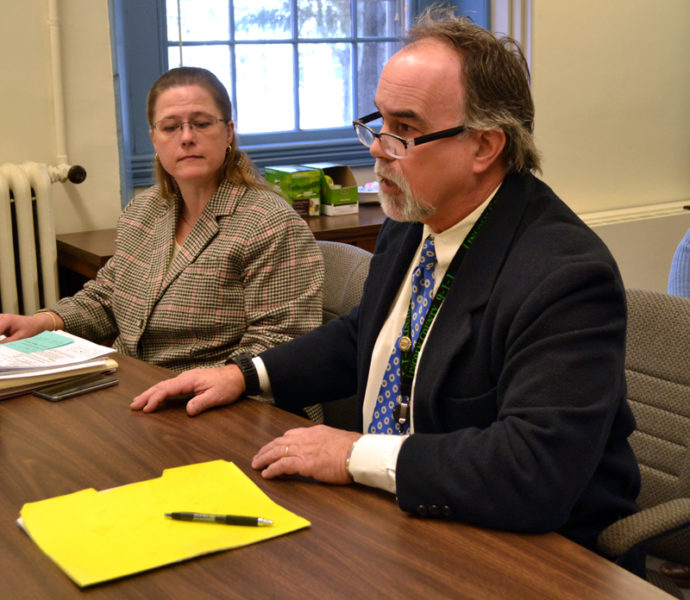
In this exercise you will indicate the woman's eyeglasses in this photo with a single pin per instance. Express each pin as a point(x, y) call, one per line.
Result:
point(171, 127)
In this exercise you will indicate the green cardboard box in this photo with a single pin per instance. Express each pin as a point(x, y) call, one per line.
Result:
point(338, 189)
point(299, 185)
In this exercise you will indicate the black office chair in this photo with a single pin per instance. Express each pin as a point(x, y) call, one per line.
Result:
point(346, 270)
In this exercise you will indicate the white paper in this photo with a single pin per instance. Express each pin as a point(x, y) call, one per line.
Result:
point(26, 374)
point(79, 351)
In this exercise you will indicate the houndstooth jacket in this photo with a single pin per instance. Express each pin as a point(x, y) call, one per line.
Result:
point(248, 277)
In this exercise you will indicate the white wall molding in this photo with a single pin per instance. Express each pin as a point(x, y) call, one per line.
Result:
point(637, 213)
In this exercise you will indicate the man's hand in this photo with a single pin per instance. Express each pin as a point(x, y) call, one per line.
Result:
point(319, 452)
point(210, 387)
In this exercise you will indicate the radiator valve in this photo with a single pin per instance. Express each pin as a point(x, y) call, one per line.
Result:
point(63, 172)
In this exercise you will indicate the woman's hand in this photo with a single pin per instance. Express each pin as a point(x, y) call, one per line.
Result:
point(17, 327)
point(209, 388)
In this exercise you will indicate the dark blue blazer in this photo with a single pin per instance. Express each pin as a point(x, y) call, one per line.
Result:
point(520, 413)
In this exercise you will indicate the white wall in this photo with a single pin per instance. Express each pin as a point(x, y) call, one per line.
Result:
point(644, 249)
point(26, 104)
point(611, 83)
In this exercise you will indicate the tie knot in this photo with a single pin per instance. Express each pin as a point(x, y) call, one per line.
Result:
point(427, 259)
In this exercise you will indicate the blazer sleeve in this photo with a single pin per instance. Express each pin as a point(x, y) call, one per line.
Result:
point(317, 367)
point(89, 313)
point(282, 278)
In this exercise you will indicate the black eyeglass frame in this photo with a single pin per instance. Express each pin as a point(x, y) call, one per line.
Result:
point(422, 139)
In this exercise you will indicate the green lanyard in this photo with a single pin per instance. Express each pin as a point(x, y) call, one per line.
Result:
point(409, 355)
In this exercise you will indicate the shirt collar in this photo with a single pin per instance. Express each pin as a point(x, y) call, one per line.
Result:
point(447, 242)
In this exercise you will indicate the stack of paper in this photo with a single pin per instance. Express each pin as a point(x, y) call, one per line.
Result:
point(49, 357)
point(97, 536)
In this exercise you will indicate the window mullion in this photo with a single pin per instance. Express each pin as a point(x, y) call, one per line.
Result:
point(295, 63)
point(233, 57)
point(355, 59)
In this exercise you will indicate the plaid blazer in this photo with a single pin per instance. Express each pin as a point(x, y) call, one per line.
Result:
point(248, 277)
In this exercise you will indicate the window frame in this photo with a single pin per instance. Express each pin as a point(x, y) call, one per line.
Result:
point(139, 30)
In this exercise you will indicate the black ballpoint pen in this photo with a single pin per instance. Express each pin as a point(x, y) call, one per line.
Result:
point(224, 519)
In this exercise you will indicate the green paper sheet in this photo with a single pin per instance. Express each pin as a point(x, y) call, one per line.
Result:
point(46, 340)
point(97, 536)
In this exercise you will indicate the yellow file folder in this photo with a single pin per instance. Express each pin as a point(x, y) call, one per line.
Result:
point(97, 536)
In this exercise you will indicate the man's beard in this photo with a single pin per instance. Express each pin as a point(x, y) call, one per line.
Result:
point(405, 206)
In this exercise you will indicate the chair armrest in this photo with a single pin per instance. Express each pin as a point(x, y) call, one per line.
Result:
point(621, 536)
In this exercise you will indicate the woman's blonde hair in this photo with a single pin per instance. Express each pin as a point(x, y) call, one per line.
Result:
point(237, 167)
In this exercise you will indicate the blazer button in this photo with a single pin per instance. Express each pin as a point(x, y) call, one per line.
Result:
point(422, 510)
point(434, 510)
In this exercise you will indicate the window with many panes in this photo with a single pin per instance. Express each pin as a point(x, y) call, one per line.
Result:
point(289, 65)
point(298, 71)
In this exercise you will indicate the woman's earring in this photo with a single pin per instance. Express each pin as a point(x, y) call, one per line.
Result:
point(229, 147)
point(155, 156)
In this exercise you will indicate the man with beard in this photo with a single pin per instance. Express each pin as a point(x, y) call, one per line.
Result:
point(487, 352)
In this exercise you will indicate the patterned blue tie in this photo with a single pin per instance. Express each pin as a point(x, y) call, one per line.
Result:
point(422, 296)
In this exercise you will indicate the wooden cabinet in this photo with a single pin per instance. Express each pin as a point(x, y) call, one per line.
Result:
point(359, 230)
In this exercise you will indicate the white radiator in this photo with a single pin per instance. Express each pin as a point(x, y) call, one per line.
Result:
point(28, 252)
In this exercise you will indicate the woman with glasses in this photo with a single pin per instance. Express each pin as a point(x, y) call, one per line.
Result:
point(210, 263)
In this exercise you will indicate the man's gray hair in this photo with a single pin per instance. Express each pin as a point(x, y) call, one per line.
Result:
point(496, 79)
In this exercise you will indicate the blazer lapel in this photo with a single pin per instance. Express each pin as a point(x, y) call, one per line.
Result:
point(204, 230)
point(388, 270)
point(474, 280)
point(222, 203)
point(163, 232)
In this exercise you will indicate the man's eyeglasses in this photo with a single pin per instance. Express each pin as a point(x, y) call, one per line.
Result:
point(171, 127)
point(394, 145)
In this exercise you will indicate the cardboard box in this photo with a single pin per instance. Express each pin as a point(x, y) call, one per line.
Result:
point(300, 186)
point(330, 210)
point(339, 194)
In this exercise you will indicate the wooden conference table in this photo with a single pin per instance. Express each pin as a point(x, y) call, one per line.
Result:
point(360, 545)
